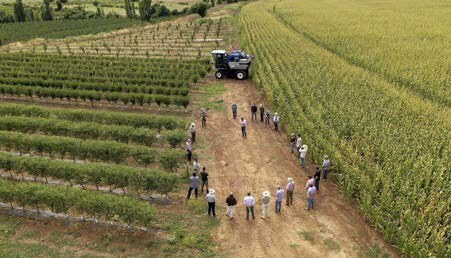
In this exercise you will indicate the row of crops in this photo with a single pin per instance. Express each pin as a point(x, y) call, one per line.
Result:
point(116, 81)
point(93, 150)
point(192, 40)
point(412, 52)
point(10, 32)
point(389, 148)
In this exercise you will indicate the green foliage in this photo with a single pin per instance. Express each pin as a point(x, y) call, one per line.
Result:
point(199, 8)
point(19, 11)
point(95, 174)
point(389, 146)
point(162, 11)
point(65, 200)
point(102, 117)
point(46, 11)
point(5, 18)
point(60, 28)
point(106, 151)
point(129, 9)
point(145, 10)
point(170, 159)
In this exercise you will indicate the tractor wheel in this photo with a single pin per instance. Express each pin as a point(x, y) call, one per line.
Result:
point(219, 75)
point(240, 75)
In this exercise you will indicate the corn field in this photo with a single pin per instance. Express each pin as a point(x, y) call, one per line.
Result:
point(389, 144)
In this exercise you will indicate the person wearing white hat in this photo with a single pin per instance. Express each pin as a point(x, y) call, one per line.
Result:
point(276, 120)
point(211, 199)
point(290, 189)
point(265, 204)
point(303, 154)
point(231, 202)
point(326, 166)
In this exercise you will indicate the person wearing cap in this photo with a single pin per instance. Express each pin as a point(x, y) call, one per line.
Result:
point(192, 130)
point(317, 177)
point(303, 154)
point(279, 197)
point(193, 184)
point(267, 117)
point(203, 115)
point(298, 143)
point(311, 191)
point(326, 165)
point(262, 112)
point(204, 178)
point(231, 202)
point(211, 199)
point(310, 181)
point(265, 204)
point(290, 189)
point(292, 142)
point(189, 149)
point(234, 110)
point(249, 203)
point(243, 127)
point(276, 120)
point(254, 112)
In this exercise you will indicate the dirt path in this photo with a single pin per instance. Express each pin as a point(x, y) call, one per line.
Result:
point(259, 163)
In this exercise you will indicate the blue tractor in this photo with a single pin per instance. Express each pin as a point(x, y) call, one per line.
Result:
point(234, 65)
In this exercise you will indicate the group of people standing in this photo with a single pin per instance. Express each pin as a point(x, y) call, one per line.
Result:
point(265, 116)
point(311, 187)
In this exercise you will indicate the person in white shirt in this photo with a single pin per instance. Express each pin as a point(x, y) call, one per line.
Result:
point(298, 142)
point(249, 203)
point(310, 197)
point(196, 166)
point(265, 204)
point(303, 154)
point(243, 127)
point(192, 130)
point(290, 190)
point(276, 121)
point(211, 199)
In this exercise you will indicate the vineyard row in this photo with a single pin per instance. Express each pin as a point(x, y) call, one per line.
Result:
point(151, 121)
point(68, 200)
point(90, 130)
point(106, 151)
point(113, 176)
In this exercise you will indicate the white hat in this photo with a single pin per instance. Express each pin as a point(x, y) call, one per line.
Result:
point(290, 179)
point(326, 157)
point(266, 193)
point(192, 124)
point(275, 113)
point(212, 191)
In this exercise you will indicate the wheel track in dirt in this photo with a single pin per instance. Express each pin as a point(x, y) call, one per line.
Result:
point(259, 163)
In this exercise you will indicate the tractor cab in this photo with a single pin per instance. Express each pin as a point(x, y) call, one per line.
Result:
point(235, 64)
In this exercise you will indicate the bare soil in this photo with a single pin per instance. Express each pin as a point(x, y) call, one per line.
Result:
point(259, 163)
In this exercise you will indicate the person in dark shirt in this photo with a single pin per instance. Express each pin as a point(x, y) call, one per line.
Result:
point(231, 202)
point(262, 113)
point(254, 112)
point(204, 178)
point(234, 110)
point(317, 177)
point(293, 142)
